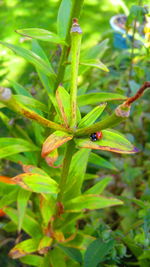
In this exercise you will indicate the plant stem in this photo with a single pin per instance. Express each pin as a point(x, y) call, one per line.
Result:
point(75, 13)
point(65, 169)
point(75, 54)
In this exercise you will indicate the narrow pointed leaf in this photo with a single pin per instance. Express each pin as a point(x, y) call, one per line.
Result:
point(9, 198)
point(99, 187)
point(29, 225)
point(47, 207)
point(64, 14)
point(24, 248)
point(101, 162)
point(63, 100)
point(46, 82)
point(36, 183)
point(90, 202)
point(30, 102)
point(31, 57)
point(76, 174)
point(111, 141)
point(95, 63)
point(95, 51)
point(10, 146)
point(90, 176)
point(34, 169)
point(20, 90)
point(41, 34)
point(22, 201)
point(44, 244)
point(92, 116)
point(96, 98)
point(54, 141)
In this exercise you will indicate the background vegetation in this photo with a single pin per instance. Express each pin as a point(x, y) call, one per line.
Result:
point(129, 224)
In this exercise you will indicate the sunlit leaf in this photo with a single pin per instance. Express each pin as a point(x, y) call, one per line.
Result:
point(111, 141)
point(99, 187)
point(76, 173)
point(41, 34)
point(44, 244)
point(31, 57)
point(52, 158)
point(36, 183)
point(92, 116)
point(24, 248)
point(10, 146)
point(20, 90)
point(96, 98)
point(22, 201)
point(33, 260)
point(9, 198)
point(63, 100)
point(30, 102)
point(47, 207)
point(90, 202)
point(63, 18)
point(94, 63)
point(54, 141)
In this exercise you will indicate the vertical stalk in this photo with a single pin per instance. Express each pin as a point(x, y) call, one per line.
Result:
point(75, 12)
point(75, 54)
point(65, 169)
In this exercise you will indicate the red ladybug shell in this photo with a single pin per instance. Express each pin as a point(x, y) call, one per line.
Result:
point(99, 135)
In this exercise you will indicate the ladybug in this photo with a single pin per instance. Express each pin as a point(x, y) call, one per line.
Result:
point(96, 136)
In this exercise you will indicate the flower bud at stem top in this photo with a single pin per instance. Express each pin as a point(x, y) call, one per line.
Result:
point(5, 94)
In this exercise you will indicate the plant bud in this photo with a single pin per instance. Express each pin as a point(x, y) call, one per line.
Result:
point(75, 27)
point(5, 94)
point(122, 111)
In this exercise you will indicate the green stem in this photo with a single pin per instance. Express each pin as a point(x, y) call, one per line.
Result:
point(120, 114)
point(75, 13)
point(65, 169)
point(75, 54)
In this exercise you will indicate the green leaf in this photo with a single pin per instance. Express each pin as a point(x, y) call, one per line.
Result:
point(36, 183)
point(57, 258)
point(89, 176)
point(9, 198)
point(33, 260)
point(31, 102)
point(94, 63)
point(31, 57)
point(24, 248)
point(94, 51)
point(41, 34)
point(101, 162)
point(29, 225)
point(99, 187)
point(63, 100)
point(73, 253)
point(10, 146)
point(5, 189)
point(20, 90)
point(76, 174)
point(96, 252)
point(47, 208)
point(22, 201)
point(47, 83)
point(91, 202)
point(92, 116)
point(63, 18)
point(111, 141)
point(96, 98)
point(53, 141)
